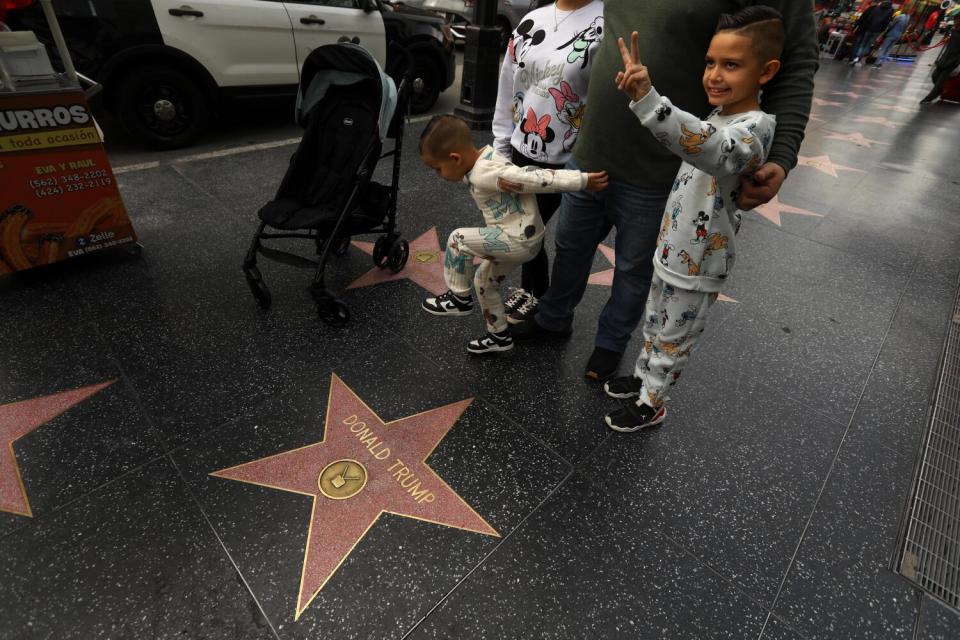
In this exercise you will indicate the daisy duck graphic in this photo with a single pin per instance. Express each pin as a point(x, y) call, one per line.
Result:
point(570, 110)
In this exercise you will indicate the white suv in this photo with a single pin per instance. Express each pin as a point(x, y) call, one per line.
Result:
point(168, 65)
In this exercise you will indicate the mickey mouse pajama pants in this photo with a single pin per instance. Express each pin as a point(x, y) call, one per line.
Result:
point(500, 253)
point(673, 321)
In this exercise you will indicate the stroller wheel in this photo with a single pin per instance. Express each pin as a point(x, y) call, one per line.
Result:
point(260, 292)
point(333, 312)
point(341, 246)
point(399, 252)
point(381, 250)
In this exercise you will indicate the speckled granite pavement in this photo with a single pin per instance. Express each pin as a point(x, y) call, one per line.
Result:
point(249, 474)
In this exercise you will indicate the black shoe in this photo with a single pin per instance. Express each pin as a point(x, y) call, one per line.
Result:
point(514, 301)
point(603, 364)
point(635, 416)
point(530, 329)
point(491, 343)
point(448, 304)
point(524, 311)
point(623, 387)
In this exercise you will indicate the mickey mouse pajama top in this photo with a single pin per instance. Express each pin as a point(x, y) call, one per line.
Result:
point(696, 246)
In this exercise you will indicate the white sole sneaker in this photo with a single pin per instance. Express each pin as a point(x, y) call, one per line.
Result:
point(446, 312)
point(484, 346)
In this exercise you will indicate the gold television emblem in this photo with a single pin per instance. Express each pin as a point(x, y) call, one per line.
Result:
point(342, 479)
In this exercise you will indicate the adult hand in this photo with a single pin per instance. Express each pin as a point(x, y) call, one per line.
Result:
point(761, 187)
point(634, 80)
point(509, 187)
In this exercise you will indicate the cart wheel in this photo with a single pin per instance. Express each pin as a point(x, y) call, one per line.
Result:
point(260, 292)
point(134, 250)
point(399, 252)
point(333, 312)
point(341, 246)
point(381, 250)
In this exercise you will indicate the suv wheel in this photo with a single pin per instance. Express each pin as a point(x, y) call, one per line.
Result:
point(426, 84)
point(163, 107)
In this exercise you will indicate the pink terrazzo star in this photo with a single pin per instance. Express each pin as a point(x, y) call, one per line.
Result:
point(880, 120)
point(820, 102)
point(824, 165)
point(425, 265)
point(17, 419)
point(605, 278)
point(853, 138)
point(386, 460)
point(851, 94)
point(895, 107)
point(772, 210)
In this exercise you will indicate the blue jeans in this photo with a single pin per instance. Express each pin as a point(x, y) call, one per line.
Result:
point(583, 222)
point(888, 43)
point(864, 43)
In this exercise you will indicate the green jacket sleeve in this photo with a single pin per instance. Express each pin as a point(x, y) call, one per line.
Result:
point(789, 94)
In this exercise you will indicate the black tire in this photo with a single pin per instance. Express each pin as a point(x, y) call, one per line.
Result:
point(381, 250)
point(333, 312)
point(426, 83)
point(399, 252)
point(260, 292)
point(162, 107)
point(341, 246)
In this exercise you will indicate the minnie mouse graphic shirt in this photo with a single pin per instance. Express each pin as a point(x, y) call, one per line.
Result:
point(542, 95)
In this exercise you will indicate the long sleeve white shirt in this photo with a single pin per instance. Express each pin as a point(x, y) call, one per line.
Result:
point(541, 99)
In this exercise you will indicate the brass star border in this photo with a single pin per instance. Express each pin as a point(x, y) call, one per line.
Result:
point(388, 458)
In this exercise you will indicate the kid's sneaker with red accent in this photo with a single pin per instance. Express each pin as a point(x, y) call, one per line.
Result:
point(635, 416)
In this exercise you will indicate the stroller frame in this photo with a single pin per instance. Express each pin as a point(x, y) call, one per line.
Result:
point(391, 250)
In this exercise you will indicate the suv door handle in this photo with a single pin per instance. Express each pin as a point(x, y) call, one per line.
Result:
point(312, 20)
point(186, 12)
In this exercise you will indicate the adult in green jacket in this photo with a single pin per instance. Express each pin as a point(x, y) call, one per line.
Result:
point(674, 35)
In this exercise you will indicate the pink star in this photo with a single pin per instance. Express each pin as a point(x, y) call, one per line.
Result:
point(723, 298)
point(605, 278)
point(17, 419)
point(425, 265)
point(820, 102)
point(852, 94)
point(772, 210)
point(824, 164)
point(880, 120)
point(855, 138)
point(897, 108)
point(362, 468)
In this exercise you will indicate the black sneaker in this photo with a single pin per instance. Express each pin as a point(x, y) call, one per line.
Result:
point(603, 364)
point(623, 387)
point(515, 300)
point(530, 329)
point(524, 311)
point(635, 416)
point(448, 304)
point(491, 343)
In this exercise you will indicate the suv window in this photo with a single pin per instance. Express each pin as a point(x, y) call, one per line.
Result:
point(341, 4)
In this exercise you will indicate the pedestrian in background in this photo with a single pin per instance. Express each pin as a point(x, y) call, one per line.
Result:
point(892, 37)
point(869, 27)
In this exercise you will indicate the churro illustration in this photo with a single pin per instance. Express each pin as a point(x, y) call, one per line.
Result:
point(12, 222)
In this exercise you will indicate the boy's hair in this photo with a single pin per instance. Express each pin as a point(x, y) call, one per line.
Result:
point(444, 135)
point(762, 24)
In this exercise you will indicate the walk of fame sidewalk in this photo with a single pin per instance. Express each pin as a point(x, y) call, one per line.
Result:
point(177, 462)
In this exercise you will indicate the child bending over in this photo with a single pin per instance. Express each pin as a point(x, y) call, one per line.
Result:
point(512, 233)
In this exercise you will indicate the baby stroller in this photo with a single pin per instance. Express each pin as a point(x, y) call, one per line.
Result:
point(348, 106)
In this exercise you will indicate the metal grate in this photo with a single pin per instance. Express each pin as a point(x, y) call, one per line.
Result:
point(931, 543)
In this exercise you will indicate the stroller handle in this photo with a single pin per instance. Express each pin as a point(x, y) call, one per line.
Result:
point(407, 60)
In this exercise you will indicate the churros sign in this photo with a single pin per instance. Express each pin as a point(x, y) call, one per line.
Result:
point(59, 196)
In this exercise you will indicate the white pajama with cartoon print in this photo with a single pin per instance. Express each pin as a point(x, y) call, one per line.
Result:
point(696, 246)
point(513, 233)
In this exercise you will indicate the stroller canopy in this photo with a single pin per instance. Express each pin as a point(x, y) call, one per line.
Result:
point(344, 63)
